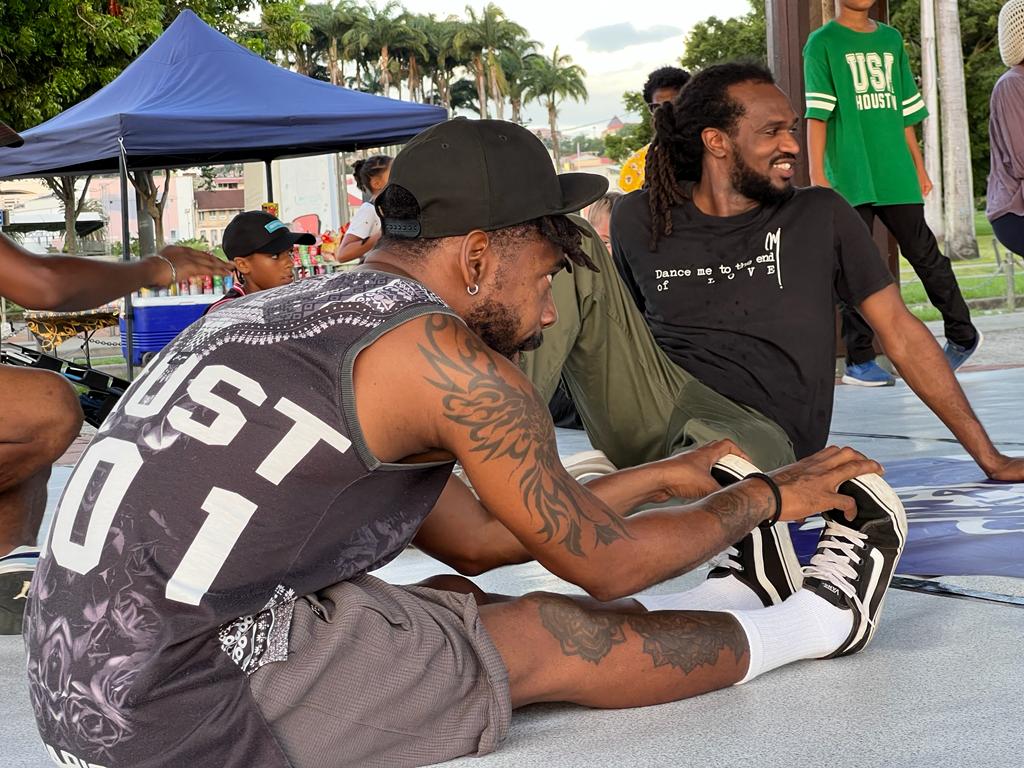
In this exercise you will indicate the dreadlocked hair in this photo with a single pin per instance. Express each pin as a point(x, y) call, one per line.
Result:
point(677, 151)
point(559, 230)
point(396, 202)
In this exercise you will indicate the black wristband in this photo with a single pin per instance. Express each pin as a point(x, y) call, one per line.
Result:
point(775, 492)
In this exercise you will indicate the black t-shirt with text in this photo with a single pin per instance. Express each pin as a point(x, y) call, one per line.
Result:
point(747, 303)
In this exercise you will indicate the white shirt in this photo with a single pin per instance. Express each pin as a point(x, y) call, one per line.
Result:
point(365, 223)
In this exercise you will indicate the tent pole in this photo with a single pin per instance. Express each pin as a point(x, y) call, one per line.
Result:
point(126, 255)
point(270, 181)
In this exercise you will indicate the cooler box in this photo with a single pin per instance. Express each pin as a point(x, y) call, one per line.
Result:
point(158, 319)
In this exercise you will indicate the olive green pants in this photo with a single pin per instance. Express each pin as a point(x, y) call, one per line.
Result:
point(636, 404)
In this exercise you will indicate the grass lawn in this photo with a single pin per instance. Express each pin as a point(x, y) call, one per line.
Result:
point(979, 279)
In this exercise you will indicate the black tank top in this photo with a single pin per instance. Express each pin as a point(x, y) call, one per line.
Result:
point(232, 477)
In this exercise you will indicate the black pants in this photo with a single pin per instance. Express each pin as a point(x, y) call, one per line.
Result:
point(919, 247)
point(1009, 230)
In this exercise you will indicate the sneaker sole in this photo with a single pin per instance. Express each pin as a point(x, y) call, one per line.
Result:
point(884, 495)
point(861, 383)
point(977, 346)
point(589, 463)
point(739, 468)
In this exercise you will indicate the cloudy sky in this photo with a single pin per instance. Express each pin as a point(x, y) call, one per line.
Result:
point(616, 43)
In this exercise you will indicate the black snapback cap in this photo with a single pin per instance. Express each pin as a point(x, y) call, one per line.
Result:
point(482, 174)
point(258, 232)
point(9, 137)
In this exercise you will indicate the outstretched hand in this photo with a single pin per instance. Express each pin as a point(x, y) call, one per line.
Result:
point(688, 475)
point(809, 486)
point(1006, 468)
point(188, 262)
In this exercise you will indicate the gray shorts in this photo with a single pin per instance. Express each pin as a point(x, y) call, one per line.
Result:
point(382, 675)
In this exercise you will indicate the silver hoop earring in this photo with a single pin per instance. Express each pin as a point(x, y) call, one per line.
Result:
point(473, 290)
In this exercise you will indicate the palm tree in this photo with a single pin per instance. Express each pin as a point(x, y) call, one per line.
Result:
point(551, 81)
point(470, 41)
point(958, 184)
point(515, 61)
point(410, 52)
point(376, 32)
point(332, 22)
point(287, 32)
point(487, 35)
point(932, 147)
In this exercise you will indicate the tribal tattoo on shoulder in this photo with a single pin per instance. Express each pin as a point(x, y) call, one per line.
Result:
point(507, 422)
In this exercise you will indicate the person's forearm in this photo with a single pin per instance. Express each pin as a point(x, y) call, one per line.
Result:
point(627, 489)
point(910, 134)
point(667, 542)
point(817, 137)
point(68, 283)
point(355, 248)
point(919, 360)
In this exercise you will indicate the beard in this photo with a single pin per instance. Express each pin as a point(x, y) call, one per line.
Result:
point(757, 186)
point(498, 327)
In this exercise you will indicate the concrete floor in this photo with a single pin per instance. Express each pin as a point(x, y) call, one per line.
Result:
point(939, 686)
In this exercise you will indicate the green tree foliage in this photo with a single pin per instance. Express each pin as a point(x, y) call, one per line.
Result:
point(982, 65)
point(54, 53)
point(552, 80)
point(715, 40)
point(619, 146)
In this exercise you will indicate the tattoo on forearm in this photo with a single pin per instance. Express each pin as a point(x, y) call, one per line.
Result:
point(689, 640)
point(580, 632)
point(506, 422)
point(737, 511)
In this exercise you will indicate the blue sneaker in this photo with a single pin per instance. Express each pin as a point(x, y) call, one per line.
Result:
point(958, 355)
point(868, 374)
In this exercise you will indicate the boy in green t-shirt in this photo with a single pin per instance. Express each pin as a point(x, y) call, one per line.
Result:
point(862, 106)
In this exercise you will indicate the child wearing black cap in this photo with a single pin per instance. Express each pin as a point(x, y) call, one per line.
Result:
point(260, 247)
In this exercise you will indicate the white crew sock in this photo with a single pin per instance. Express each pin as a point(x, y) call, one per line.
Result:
point(803, 627)
point(721, 594)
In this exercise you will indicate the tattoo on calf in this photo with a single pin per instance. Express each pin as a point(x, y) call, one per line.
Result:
point(688, 640)
point(506, 422)
point(580, 632)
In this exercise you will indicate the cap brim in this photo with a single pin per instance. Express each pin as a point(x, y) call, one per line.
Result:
point(285, 239)
point(9, 137)
point(580, 190)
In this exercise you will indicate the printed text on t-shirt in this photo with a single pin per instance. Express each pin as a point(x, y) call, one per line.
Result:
point(768, 264)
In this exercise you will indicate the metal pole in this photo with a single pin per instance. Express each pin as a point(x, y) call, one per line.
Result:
point(270, 181)
point(126, 255)
point(1011, 283)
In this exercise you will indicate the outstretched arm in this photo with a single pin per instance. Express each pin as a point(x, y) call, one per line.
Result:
point(917, 357)
point(67, 283)
point(460, 397)
point(484, 543)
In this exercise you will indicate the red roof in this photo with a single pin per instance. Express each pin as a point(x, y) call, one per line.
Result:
point(220, 200)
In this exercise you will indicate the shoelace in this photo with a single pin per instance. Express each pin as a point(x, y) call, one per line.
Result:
point(832, 563)
point(727, 559)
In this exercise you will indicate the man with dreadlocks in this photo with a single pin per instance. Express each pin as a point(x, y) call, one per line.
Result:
point(230, 621)
point(737, 272)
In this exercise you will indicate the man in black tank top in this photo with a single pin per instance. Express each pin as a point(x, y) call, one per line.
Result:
point(204, 597)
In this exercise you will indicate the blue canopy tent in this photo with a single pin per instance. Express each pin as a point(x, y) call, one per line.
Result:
point(195, 97)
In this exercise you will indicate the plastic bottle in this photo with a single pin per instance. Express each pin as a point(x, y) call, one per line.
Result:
point(218, 285)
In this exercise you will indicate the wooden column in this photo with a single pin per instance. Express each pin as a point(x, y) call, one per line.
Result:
point(790, 22)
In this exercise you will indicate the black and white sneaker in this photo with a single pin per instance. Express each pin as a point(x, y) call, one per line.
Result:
point(856, 559)
point(764, 559)
point(16, 570)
